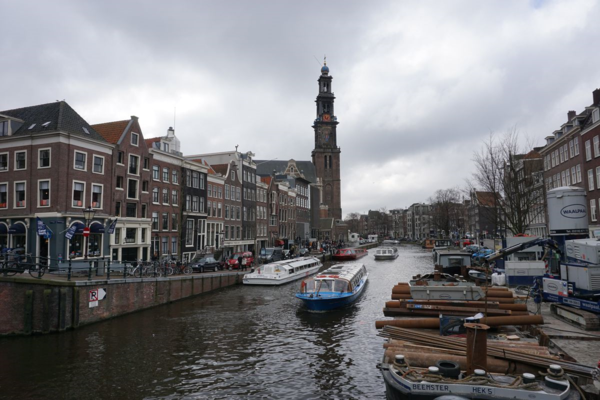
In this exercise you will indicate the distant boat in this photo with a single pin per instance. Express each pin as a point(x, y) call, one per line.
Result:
point(284, 271)
point(338, 286)
point(349, 254)
point(386, 253)
point(388, 242)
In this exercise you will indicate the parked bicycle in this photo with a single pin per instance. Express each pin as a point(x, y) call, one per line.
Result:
point(15, 263)
point(181, 268)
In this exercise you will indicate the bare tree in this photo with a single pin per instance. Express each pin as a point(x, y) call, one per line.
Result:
point(446, 210)
point(353, 221)
point(505, 172)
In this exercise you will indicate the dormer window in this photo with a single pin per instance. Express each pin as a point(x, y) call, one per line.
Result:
point(3, 128)
point(595, 115)
point(166, 147)
point(134, 139)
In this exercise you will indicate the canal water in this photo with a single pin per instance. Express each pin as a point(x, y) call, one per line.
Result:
point(242, 342)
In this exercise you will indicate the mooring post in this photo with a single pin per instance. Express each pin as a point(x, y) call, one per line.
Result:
point(107, 266)
point(476, 347)
point(90, 272)
point(69, 270)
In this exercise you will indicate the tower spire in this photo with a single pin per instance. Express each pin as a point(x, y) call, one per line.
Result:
point(325, 60)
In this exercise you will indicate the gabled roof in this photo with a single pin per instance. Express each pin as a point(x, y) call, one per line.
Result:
point(265, 168)
point(485, 198)
point(152, 140)
point(57, 116)
point(211, 171)
point(221, 169)
point(112, 131)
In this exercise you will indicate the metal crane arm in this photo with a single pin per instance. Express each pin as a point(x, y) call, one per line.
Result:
point(522, 246)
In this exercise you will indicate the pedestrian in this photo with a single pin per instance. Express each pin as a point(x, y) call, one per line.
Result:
point(244, 260)
point(240, 258)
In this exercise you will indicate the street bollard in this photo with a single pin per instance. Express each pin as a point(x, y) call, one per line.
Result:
point(69, 270)
point(124, 270)
point(97, 265)
point(154, 267)
point(107, 270)
point(90, 272)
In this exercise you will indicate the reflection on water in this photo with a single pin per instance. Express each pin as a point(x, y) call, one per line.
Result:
point(242, 342)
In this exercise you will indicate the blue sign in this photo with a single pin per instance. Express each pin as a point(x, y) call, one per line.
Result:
point(111, 228)
point(42, 229)
point(574, 211)
point(71, 231)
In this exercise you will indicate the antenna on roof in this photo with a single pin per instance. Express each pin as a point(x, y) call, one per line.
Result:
point(318, 62)
point(174, 116)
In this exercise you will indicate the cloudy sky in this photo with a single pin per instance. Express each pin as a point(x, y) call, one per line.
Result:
point(419, 84)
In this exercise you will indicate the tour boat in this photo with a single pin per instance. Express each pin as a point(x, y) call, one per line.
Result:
point(338, 286)
point(388, 242)
point(284, 271)
point(349, 254)
point(386, 253)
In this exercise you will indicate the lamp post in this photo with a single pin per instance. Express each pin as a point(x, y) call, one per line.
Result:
point(88, 215)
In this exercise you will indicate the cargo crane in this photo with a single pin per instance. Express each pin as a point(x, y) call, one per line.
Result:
point(573, 285)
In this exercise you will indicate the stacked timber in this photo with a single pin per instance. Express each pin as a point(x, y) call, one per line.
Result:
point(498, 306)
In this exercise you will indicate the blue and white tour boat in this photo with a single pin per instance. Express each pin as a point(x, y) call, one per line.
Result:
point(284, 271)
point(338, 286)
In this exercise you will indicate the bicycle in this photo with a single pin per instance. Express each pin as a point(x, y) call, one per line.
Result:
point(181, 268)
point(18, 263)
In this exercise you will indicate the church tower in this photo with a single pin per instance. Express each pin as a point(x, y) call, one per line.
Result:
point(326, 154)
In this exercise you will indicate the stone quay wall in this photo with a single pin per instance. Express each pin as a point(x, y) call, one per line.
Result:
point(32, 306)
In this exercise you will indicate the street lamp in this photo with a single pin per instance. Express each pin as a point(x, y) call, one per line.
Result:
point(88, 215)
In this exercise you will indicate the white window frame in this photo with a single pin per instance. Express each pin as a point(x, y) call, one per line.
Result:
point(168, 174)
point(137, 192)
point(49, 157)
point(139, 166)
point(189, 239)
point(137, 141)
point(39, 201)
point(157, 175)
point(162, 193)
point(588, 150)
point(578, 169)
point(573, 175)
point(568, 176)
point(593, 215)
point(73, 189)
point(595, 115)
point(174, 176)
point(7, 195)
point(590, 174)
point(94, 163)
point(596, 142)
point(75, 160)
point(576, 140)
point(101, 197)
point(25, 167)
point(571, 148)
point(598, 177)
point(562, 154)
point(15, 194)
point(7, 162)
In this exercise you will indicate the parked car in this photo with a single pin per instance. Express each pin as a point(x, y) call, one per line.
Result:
point(206, 263)
point(270, 254)
point(232, 262)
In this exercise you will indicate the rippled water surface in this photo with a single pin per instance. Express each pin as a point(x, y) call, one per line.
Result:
point(241, 342)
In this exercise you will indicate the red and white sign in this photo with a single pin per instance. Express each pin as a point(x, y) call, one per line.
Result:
point(86, 231)
point(95, 295)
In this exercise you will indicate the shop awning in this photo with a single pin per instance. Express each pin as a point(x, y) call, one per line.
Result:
point(97, 228)
point(3, 229)
point(79, 227)
point(16, 229)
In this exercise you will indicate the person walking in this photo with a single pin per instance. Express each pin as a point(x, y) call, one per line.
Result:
point(240, 258)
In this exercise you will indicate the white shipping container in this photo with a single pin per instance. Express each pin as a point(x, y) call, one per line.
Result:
point(526, 268)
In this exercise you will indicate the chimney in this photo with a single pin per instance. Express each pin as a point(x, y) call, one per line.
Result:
point(570, 115)
point(170, 132)
point(596, 95)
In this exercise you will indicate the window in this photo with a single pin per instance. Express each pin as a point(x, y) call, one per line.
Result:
point(134, 164)
point(553, 160)
point(174, 177)
point(226, 192)
point(174, 197)
point(130, 235)
point(165, 196)
point(154, 221)
point(146, 163)
point(118, 209)
point(121, 158)
point(143, 238)
point(3, 195)
point(195, 179)
point(188, 178)
point(576, 146)
point(4, 162)
point(201, 181)
point(117, 235)
point(209, 205)
point(174, 220)
point(226, 211)
point(189, 232)
point(44, 158)
point(588, 151)
point(174, 245)
point(3, 128)
point(598, 177)
point(233, 175)
point(155, 172)
point(573, 176)
point(165, 175)
point(209, 194)
point(165, 222)
point(563, 179)
point(98, 165)
point(96, 196)
point(44, 193)
point(201, 204)
point(155, 195)
point(593, 214)
point(562, 154)
point(135, 139)
point(119, 182)
point(166, 147)
point(595, 115)
point(578, 169)
point(145, 186)
point(132, 188)
point(226, 232)
point(238, 213)
point(220, 192)
point(219, 210)
point(188, 202)
point(165, 244)
point(144, 210)
point(131, 210)
point(596, 146)
point(20, 159)
point(590, 179)
point(568, 176)
point(238, 194)
point(78, 194)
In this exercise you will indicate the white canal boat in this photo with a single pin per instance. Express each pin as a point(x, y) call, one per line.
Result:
point(386, 253)
point(284, 271)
